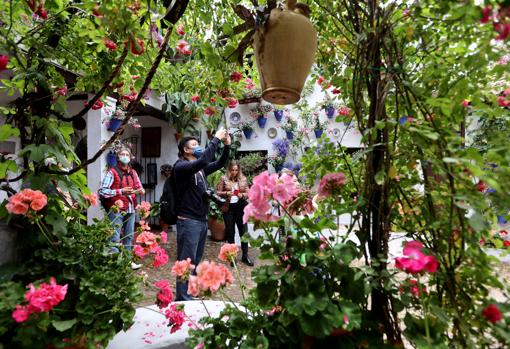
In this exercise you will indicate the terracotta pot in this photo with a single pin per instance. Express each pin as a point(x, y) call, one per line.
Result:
point(178, 136)
point(285, 51)
point(217, 229)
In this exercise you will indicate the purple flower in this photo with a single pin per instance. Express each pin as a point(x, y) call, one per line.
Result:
point(281, 146)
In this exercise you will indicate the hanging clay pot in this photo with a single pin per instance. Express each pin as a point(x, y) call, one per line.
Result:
point(285, 51)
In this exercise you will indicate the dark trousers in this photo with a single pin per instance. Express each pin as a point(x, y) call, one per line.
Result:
point(233, 218)
point(191, 237)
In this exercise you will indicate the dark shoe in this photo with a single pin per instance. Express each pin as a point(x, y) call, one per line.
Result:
point(246, 260)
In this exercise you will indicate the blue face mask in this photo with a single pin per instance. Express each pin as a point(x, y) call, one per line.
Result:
point(198, 151)
point(124, 159)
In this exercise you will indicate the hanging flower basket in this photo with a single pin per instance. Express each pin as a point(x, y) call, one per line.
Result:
point(114, 124)
point(248, 133)
point(285, 51)
point(318, 133)
point(262, 121)
point(278, 114)
point(290, 135)
point(330, 111)
point(111, 159)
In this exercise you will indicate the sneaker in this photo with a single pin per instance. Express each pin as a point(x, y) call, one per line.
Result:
point(135, 266)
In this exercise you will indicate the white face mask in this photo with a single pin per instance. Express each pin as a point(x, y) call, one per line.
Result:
point(124, 159)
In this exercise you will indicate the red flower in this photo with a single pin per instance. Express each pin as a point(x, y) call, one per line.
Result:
point(320, 80)
point(503, 29)
point(415, 261)
point(137, 47)
point(95, 11)
point(195, 98)
point(165, 295)
point(236, 76)
point(4, 60)
point(41, 12)
point(180, 30)
point(212, 99)
point(503, 102)
point(492, 313)
point(465, 103)
point(336, 91)
point(486, 14)
point(183, 47)
point(110, 44)
point(97, 105)
point(481, 186)
point(209, 111)
point(506, 243)
point(62, 91)
point(232, 102)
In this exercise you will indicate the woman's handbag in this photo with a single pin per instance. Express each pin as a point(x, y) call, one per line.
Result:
point(224, 208)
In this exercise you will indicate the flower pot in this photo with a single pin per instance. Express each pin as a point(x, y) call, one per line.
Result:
point(278, 115)
point(114, 124)
point(248, 133)
point(278, 168)
point(217, 229)
point(290, 135)
point(330, 112)
point(111, 159)
point(262, 121)
point(285, 51)
point(178, 136)
point(318, 133)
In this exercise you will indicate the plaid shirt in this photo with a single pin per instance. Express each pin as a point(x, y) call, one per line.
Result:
point(106, 191)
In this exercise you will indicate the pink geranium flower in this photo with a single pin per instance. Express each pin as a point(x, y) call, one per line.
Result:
point(161, 257)
point(110, 44)
point(195, 98)
point(232, 102)
point(345, 111)
point(415, 261)
point(210, 278)
point(139, 251)
point(147, 239)
point(164, 237)
point(228, 252)
point(143, 209)
point(331, 184)
point(182, 269)
point(193, 288)
point(119, 204)
point(465, 103)
point(25, 200)
point(91, 198)
point(486, 14)
point(41, 299)
point(209, 111)
point(175, 317)
point(4, 60)
point(165, 295)
point(180, 30)
point(183, 47)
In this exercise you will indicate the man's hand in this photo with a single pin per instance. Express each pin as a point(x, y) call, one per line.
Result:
point(220, 134)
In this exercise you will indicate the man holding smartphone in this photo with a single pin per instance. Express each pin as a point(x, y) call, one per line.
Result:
point(120, 187)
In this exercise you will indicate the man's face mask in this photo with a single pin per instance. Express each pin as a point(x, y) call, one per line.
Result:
point(124, 159)
point(198, 151)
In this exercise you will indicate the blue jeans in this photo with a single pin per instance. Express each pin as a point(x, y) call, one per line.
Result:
point(126, 222)
point(191, 236)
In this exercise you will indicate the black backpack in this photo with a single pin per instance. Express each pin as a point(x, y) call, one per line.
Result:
point(168, 201)
point(104, 201)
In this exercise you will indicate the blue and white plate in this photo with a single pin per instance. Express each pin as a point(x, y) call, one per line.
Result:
point(235, 118)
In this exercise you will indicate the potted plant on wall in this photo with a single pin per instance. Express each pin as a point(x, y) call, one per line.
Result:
point(278, 111)
point(247, 127)
point(259, 113)
point(290, 126)
point(328, 106)
point(114, 118)
point(318, 125)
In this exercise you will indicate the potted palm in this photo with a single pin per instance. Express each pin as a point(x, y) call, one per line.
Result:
point(180, 112)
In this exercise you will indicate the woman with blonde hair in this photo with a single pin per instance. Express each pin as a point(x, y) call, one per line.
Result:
point(233, 186)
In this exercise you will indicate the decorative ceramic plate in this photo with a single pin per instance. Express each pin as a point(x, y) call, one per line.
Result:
point(235, 118)
point(336, 133)
point(272, 132)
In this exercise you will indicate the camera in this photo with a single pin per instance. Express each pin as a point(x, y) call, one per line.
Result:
point(218, 200)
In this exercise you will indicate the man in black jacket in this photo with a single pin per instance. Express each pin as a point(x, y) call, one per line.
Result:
point(190, 171)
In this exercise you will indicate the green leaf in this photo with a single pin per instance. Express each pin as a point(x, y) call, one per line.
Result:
point(380, 177)
point(63, 325)
point(7, 131)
